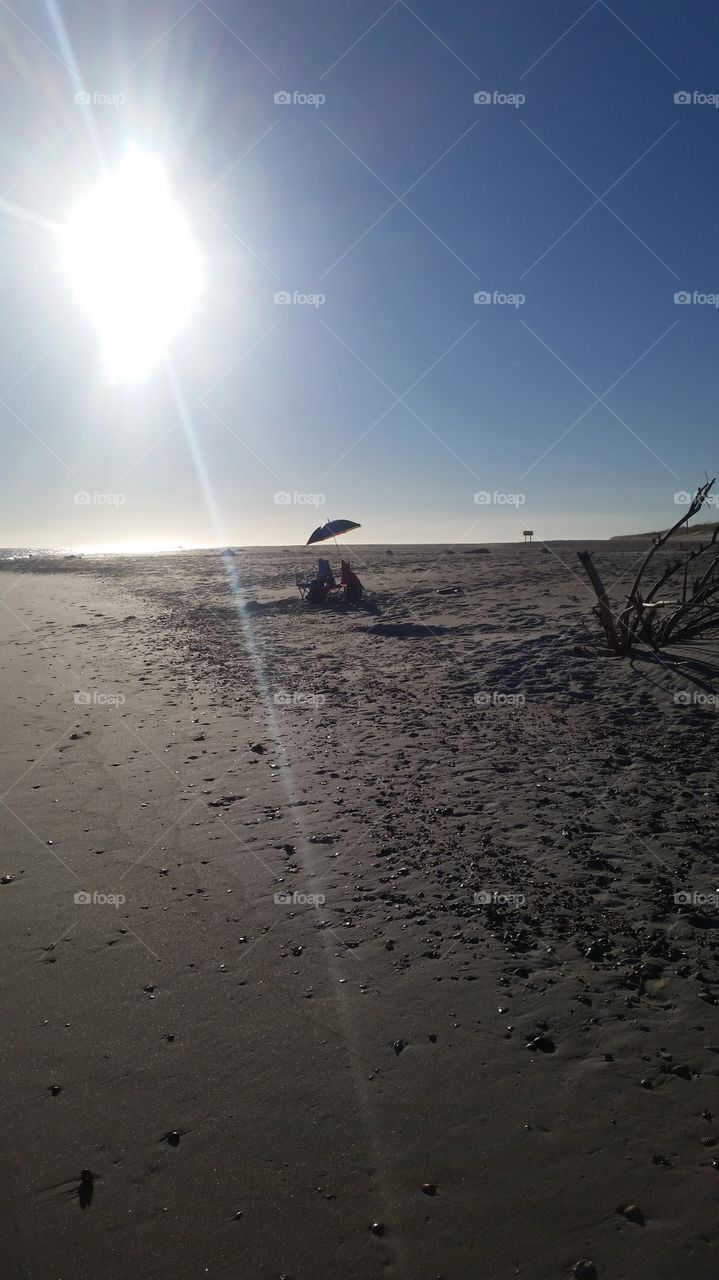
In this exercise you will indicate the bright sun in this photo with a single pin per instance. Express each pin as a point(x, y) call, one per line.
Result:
point(130, 255)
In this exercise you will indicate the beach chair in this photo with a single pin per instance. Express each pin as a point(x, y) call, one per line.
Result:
point(302, 582)
point(316, 590)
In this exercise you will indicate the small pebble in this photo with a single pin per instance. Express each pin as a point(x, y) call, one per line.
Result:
point(542, 1044)
point(681, 1070)
point(584, 1270)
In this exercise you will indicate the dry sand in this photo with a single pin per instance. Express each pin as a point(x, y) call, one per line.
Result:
point(253, 1083)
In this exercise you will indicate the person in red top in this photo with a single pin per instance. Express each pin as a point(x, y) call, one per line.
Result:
point(351, 583)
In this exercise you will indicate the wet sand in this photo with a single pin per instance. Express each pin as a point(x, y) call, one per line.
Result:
point(382, 972)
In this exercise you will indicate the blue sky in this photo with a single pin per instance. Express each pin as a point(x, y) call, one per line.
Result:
point(398, 398)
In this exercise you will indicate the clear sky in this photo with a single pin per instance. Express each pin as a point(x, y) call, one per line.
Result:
point(579, 411)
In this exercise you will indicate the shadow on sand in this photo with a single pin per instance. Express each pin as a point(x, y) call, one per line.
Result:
point(693, 665)
point(408, 630)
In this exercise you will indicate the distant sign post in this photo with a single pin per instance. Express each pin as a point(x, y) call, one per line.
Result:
point(528, 534)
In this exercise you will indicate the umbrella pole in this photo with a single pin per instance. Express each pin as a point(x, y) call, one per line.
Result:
point(334, 538)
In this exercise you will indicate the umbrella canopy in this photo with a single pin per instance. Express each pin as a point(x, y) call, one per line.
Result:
point(332, 529)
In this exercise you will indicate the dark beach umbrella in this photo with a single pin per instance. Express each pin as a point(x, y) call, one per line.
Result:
point(332, 529)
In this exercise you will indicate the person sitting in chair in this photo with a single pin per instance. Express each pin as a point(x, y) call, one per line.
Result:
point(320, 587)
point(325, 574)
point(317, 591)
point(351, 583)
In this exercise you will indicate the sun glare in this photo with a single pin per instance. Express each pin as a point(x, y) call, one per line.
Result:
point(129, 253)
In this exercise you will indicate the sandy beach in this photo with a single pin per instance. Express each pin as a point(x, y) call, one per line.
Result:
point(345, 942)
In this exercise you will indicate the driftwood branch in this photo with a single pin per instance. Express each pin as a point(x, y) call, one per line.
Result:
point(640, 617)
point(605, 612)
point(695, 507)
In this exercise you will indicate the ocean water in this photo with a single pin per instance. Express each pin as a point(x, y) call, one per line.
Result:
point(27, 553)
